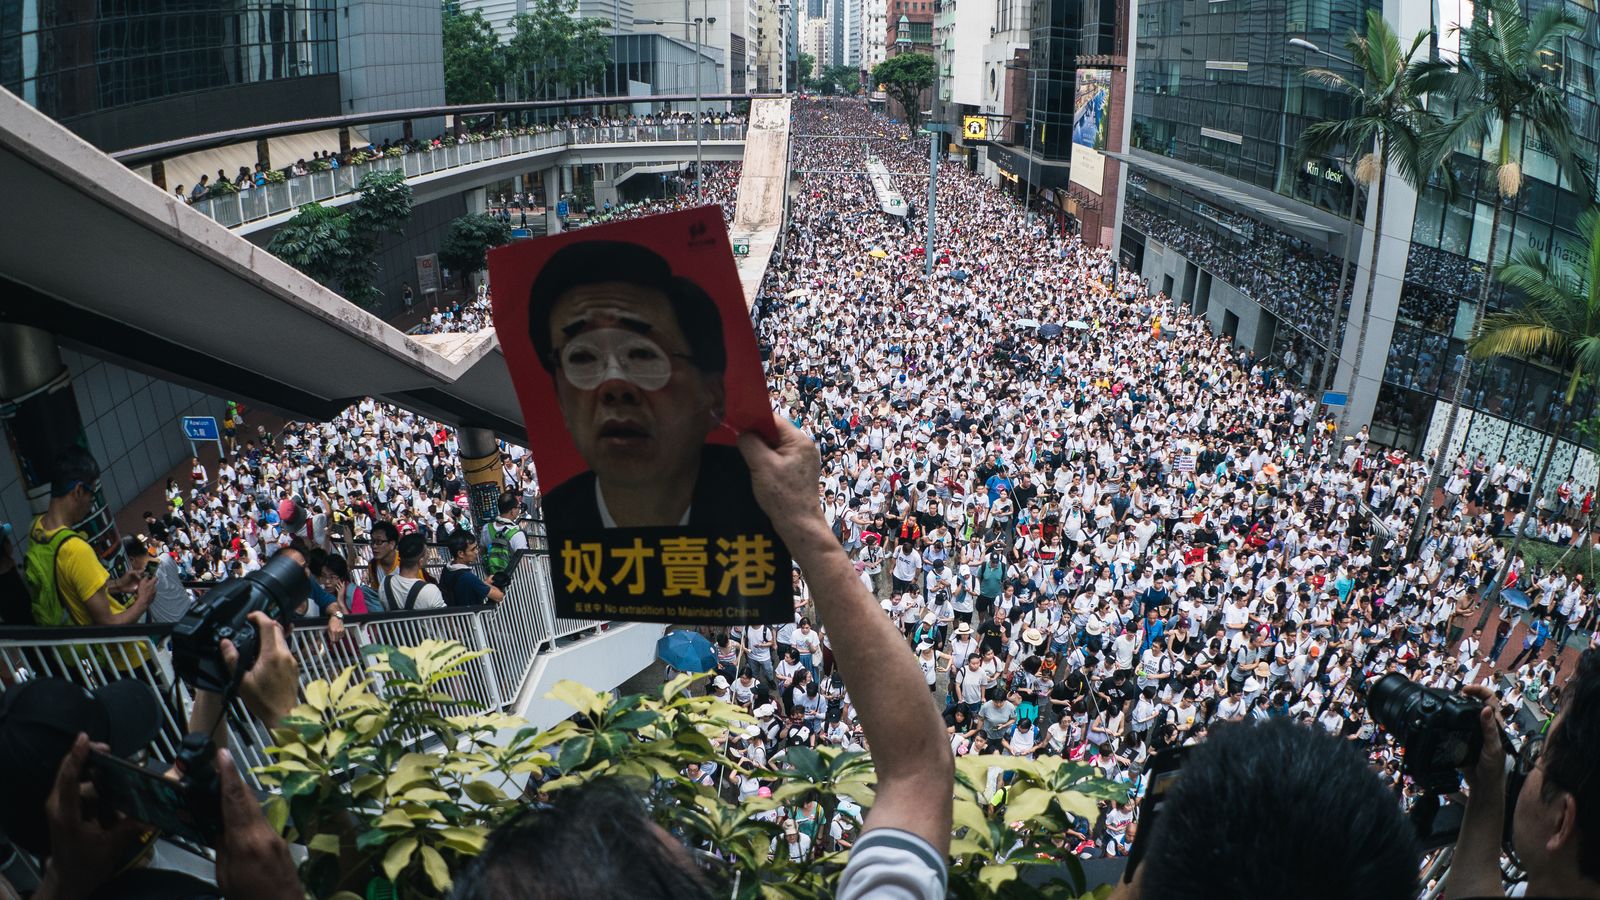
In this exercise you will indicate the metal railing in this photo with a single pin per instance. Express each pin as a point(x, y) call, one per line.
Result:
point(516, 631)
point(270, 200)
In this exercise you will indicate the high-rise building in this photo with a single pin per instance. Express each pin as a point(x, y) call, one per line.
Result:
point(1222, 215)
point(775, 44)
point(814, 41)
point(735, 22)
point(124, 76)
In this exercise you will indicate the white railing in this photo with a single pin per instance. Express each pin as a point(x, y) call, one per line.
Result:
point(516, 631)
point(286, 196)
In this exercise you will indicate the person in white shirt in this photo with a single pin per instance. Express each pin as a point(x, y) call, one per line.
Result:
point(406, 589)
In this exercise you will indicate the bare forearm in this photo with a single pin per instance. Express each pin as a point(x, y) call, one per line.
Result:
point(913, 760)
point(1475, 868)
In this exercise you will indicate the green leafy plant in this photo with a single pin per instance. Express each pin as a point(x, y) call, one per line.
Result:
point(318, 165)
point(904, 78)
point(554, 49)
point(466, 244)
point(338, 247)
point(276, 176)
point(392, 782)
point(474, 60)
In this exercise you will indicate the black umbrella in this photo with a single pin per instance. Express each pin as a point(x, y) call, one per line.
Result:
point(1049, 330)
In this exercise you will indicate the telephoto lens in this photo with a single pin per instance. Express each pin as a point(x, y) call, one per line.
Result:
point(1439, 730)
point(278, 589)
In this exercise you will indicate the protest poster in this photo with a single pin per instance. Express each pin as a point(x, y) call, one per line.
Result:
point(635, 366)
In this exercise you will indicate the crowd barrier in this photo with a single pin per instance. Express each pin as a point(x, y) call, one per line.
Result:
point(269, 200)
point(516, 631)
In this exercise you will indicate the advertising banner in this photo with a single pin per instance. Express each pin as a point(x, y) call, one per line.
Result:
point(1089, 107)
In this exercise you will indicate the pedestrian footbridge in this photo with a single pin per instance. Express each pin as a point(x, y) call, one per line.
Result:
point(115, 265)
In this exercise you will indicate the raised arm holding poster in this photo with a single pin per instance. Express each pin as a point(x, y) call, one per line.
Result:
point(636, 367)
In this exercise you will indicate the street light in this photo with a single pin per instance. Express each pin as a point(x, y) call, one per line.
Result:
point(1304, 44)
point(699, 22)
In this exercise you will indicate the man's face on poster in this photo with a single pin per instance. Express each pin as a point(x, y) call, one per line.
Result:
point(635, 402)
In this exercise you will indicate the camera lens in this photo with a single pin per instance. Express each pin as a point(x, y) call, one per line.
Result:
point(1388, 700)
point(284, 581)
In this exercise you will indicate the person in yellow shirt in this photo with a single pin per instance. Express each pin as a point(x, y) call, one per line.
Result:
point(84, 587)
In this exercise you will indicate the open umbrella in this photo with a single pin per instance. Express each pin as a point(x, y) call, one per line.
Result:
point(960, 275)
point(686, 651)
point(877, 253)
point(1078, 325)
point(1049, 330)
point(1025, 323)
point(797, 292)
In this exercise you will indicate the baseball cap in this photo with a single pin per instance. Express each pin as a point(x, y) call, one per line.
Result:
point(720, 683)
point(40, 719)
point(288, 511)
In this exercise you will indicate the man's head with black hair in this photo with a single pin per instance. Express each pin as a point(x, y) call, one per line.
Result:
point(1556, 830)
point(620, 263)
point(72, 481)
point(1277, 809)
point(412, 548)
point(591, 841)
point(460, 544)
point(637, 357)
point(507, 504)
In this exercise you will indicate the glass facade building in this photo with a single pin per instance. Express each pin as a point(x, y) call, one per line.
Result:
point(72, 58)
point(1219, 91)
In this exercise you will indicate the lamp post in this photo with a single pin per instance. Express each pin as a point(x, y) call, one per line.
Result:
point(699, 22)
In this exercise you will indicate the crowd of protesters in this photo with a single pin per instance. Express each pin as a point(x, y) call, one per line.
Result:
point(248, 178)
point(1100, 542)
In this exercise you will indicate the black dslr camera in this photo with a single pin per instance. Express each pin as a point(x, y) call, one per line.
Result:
point(1440, 731)
point(189, 807)
point(278, 589)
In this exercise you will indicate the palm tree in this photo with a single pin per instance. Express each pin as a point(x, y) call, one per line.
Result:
point(1387, 113)
point(1500, 82)
point(1560, 321)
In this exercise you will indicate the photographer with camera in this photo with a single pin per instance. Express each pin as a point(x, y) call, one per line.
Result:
point(1555, 833)
point(88, 814)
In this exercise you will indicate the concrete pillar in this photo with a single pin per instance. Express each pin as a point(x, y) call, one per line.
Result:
point(158, 174)
point(264, 153)
point(406, 129)
point(39, 413)
point(485, 474)
point(551, 178)
point(344, 140)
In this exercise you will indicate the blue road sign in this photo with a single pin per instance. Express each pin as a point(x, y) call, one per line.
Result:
point(1334, 398)
point(562, 209)
point(201, 428)
point(518, 234)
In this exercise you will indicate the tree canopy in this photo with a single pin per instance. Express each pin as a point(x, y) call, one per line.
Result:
point(474, 60)
point(904, 78)
point(338, 246)
point(554, 50)
point(466, 245)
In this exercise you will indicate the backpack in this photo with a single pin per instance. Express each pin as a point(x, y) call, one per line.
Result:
point(411, 595)
point(39, 570)
point(498, 557)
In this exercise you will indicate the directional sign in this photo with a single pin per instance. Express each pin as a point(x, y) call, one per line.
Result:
point(1334, 398)
point(741, 248)
point(201, 428)
point(562, 209)
point(976, 128)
